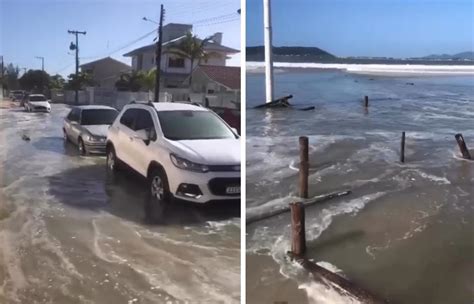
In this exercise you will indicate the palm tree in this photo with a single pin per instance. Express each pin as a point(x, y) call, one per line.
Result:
point(148, 79)
point(192, 48)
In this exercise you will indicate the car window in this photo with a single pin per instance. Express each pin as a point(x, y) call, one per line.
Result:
point(144, 121)
point(98, 116)
point(70, 115)
point(128, 118)
point(75, 114)
point(37, 98)
point(188, 125)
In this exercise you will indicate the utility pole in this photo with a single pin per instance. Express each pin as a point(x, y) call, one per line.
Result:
point(42, 74)
point(159, 45)
point(267, 23)
point(76, 47)
point(3, 75)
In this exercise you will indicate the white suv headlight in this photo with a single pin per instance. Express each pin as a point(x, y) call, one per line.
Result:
point(187, 165)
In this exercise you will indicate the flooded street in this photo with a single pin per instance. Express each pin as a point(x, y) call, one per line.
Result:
point(71, 234)
point(406, 230)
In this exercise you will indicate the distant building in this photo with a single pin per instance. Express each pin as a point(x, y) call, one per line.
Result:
point(106, 71)
point(215, 86)
point(212, 79)
point(175, 68)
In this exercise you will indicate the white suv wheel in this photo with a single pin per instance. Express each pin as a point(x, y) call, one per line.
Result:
point(112, 162)
point(157, 189)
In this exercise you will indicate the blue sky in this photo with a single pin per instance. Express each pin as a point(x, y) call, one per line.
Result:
point(30, 28)
point(392, 28)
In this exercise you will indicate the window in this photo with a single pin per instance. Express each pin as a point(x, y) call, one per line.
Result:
point(139, 61)
point(98, 117)
point(144, 121)
point(188, 125)
point(176, 63)
point(74, 115)
point(128, 118)
point(37, 98)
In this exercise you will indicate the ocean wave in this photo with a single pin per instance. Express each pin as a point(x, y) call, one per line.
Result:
point(318, 293)
point(373, 68)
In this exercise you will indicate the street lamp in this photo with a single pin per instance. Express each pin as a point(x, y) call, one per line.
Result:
point(42, 62)
point(42, 74)
point(150, 20)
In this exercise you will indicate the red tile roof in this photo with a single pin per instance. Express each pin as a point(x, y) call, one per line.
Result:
point(228, 76)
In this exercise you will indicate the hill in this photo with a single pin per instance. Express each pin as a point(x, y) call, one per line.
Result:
point(290, 54)
point(459, 56)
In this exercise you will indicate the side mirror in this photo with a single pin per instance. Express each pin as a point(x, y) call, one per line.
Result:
point(235, 131)
point(142, 135)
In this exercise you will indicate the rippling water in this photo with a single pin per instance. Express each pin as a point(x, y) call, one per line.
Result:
point(71, 234)
point(406, 231)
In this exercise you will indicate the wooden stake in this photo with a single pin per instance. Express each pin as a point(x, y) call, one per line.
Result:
point(366, 101)
point(402, 148)
point(298, 234)
point(304, 166)
point(252, 217)
point(462, 146)
point(321, 274)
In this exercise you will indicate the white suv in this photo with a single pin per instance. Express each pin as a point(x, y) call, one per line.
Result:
point(185, 151)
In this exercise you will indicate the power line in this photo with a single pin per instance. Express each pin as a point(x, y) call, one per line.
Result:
point(219, 22)
point(123, 46)
point(225, 18)
point(214, 18)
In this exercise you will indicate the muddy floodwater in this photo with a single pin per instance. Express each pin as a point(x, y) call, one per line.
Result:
point(69, 233)
point(406, 232)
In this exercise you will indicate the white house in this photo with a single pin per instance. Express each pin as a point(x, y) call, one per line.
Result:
point(106, 71)
point(216, 86)
point(174, 68)
point(212, 79)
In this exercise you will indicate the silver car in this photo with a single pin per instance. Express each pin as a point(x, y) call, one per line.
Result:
point(87, 126)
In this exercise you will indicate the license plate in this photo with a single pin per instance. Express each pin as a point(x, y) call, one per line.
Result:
point(232, 190)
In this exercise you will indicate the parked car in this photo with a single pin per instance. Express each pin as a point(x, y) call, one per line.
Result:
point(37, 103)
point(185, 151)
point(16, 95)
point(86, 127)
point(24, 100)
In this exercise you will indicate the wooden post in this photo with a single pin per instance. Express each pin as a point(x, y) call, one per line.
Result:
point(366, 101)
point(462, 146)
point(298, 234)
point(304, 166)
point(402, 148)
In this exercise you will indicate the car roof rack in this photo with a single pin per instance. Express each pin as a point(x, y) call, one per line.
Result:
point(148, 103)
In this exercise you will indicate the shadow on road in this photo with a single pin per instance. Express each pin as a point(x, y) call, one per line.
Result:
point(124, 194)
point(55, 144)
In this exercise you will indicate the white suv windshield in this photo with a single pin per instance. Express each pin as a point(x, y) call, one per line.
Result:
point(186, 125)
point(37, 98)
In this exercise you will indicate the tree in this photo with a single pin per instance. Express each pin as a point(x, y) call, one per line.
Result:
point(148, 79)
point(34, 81)
point(56, 82)
point(136, 81)
point(77, 83)
point(192, 48)
point(10, 79)
point(129, 82)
